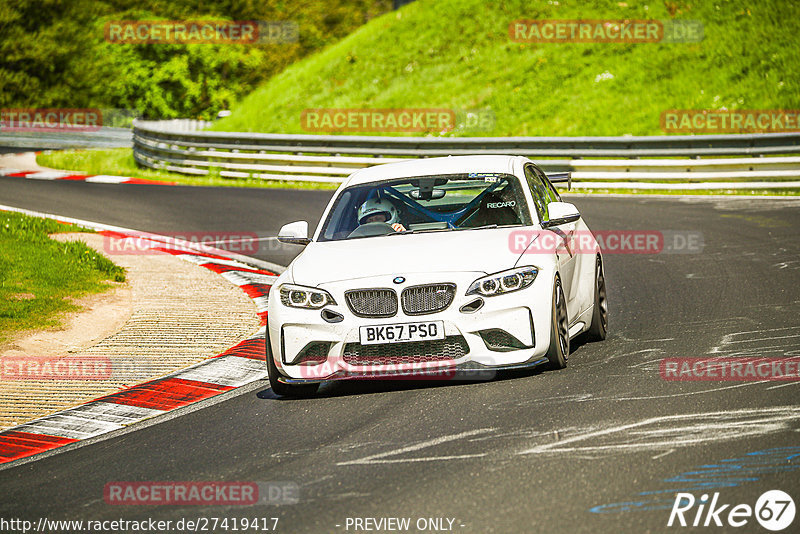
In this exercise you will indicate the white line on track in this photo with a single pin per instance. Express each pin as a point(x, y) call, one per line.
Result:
point(657, 456)
point(380, 457)
point(683, 394)
point(106, 179)
point(671, 431)
point(784, 385)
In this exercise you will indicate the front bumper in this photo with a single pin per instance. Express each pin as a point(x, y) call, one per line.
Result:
point(507, 331)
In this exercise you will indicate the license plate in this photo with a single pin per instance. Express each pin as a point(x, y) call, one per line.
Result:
point(401, 333)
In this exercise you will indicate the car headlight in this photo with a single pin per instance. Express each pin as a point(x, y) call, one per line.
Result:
point(304, 297)
point(503, 282)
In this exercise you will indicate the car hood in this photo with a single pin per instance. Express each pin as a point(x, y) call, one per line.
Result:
point(485, 251)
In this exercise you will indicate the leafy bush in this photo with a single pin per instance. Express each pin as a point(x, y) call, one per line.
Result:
point(55, 54)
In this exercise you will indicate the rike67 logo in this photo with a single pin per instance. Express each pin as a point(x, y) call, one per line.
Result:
point(774, 510)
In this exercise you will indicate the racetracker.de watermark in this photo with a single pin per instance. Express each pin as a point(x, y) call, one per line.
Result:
point(378, 120)
point(55, 368)
point(205, 242)
point(75, 367)
point(605, 31)
point(730, 121)
point(48, 119)
point(201, 493)
point(609, 241)
point(376, 368)
point(199, 523)
point(201, 32)
point(475, 120)
point(729, 369)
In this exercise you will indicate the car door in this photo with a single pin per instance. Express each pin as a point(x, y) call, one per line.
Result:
point(576, 256)
point(565, 251)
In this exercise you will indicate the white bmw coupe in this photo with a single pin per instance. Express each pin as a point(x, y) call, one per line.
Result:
point(427, 267)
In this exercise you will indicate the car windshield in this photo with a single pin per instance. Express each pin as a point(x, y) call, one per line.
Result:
point(427, 204)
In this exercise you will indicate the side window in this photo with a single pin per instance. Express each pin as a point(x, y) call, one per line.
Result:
point(552, 194)
point(338, 224)
point(539, 192)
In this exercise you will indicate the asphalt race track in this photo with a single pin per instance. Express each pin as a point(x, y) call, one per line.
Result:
point(169, 209)
point(601, 446)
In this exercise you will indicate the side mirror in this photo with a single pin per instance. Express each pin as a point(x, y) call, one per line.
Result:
point(561, 213)
point(295, 233)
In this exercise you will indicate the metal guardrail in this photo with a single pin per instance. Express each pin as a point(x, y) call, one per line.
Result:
point(179, 146)
point(105, 137)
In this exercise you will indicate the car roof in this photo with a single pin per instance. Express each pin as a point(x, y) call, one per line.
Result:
point(431, 166)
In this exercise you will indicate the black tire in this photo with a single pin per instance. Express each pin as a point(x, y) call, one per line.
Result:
point(279, 388)
point(599, 327)
point(558, 352)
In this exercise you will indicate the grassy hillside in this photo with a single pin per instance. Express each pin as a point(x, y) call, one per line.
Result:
point(457, 54)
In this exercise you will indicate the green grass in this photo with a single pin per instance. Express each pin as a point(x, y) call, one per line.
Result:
point(120, 162)
point(38, 274)
point(457, 54)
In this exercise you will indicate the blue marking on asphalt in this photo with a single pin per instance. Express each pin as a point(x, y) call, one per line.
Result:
point(728, 473)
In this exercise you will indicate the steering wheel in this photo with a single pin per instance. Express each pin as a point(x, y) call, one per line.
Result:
point(372, 229)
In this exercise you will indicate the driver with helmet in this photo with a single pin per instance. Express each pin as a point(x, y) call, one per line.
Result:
point(380, 210)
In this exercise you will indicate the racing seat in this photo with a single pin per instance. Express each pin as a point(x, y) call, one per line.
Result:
point(493, 209)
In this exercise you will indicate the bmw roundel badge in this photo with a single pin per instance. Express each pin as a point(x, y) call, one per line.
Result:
point(398, 280)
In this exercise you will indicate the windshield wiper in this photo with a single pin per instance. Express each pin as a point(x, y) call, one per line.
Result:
point(477, 227)
point(428, 230)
